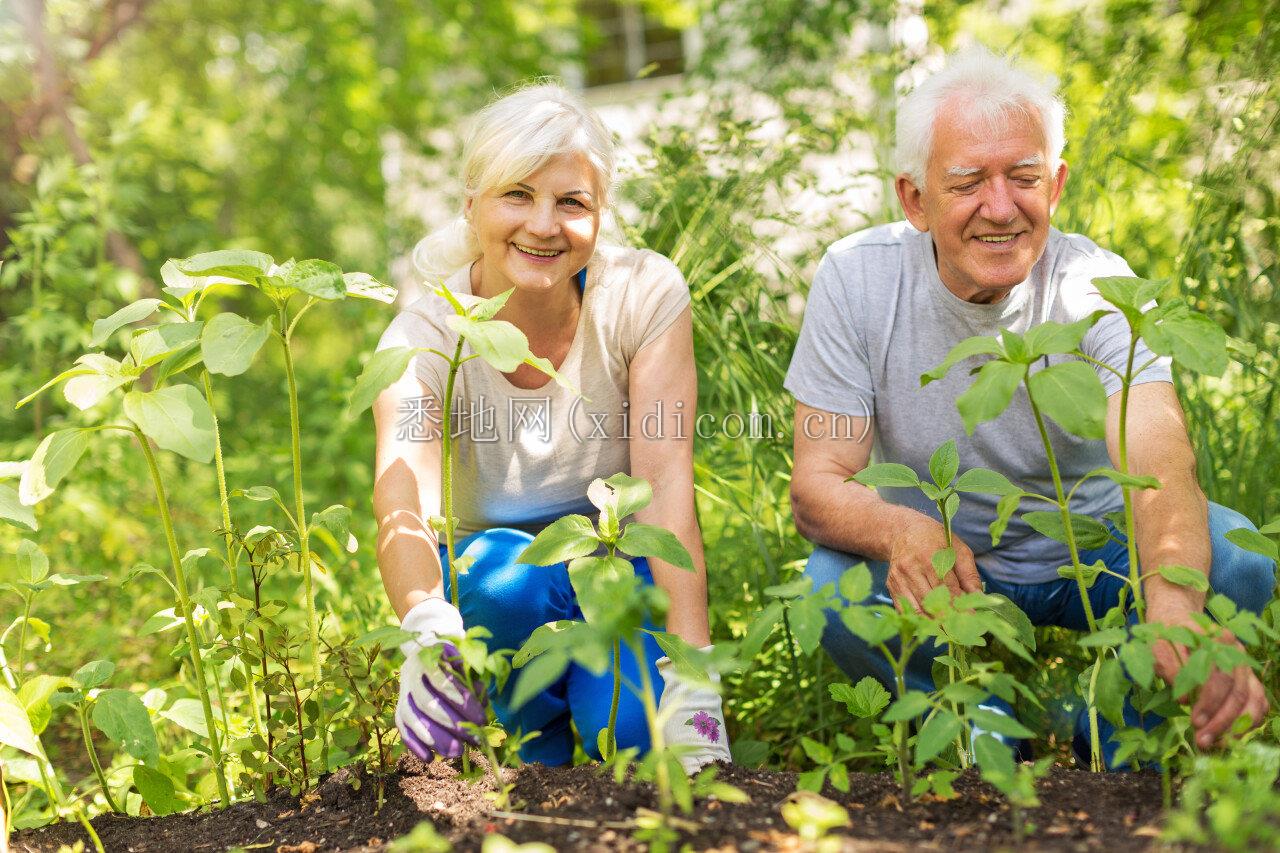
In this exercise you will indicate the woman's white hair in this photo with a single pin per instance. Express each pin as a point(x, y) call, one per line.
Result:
point(510, 139)
point(992, 89)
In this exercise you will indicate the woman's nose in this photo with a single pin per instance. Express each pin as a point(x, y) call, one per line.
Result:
point(542, 221)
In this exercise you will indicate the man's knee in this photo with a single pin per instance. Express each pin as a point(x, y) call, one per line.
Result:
point(1246, 577)
point(826, 566)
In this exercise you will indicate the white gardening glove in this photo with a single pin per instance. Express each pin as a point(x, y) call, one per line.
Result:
point(434, 698)
point(692, 719)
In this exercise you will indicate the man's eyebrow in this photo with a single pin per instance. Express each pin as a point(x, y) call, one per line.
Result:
point(963, 171)
point(1033, 160)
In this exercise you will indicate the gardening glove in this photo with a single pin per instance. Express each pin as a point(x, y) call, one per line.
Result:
point(434, 698)
point(692, 719)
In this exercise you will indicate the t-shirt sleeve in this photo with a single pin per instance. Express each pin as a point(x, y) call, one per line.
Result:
point(1108, 340)
point(830, 369)
point(412, 328)
point(656, 295)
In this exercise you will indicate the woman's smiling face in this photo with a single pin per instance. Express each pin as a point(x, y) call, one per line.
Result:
point(540, 231)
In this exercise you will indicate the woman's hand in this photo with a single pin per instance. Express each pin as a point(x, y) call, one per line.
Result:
point(434, 697)
point(693, 719)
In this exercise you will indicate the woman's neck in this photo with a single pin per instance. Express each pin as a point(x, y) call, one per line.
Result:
point(535, 314)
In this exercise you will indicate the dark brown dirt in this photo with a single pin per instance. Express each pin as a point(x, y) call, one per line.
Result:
point(587, 811)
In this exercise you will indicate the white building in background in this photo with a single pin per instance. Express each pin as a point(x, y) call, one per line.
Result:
point(634, 77)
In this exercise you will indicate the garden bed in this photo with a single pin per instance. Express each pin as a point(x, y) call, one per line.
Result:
point(1081, 811)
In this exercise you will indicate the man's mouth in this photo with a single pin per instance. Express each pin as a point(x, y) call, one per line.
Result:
point(996, 239)
point(538, 253)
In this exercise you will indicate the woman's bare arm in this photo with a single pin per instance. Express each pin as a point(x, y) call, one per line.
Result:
point(406, 493)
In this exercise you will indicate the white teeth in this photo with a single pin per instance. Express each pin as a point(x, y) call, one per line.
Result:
point(1004, 239)
point(542, 253)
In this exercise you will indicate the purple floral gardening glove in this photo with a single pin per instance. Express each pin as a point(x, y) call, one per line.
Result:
point(693, 720)
point(434, 698)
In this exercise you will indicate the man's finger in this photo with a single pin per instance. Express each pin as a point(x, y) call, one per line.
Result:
point(967, 572)
point(952, 582)
point(1212, 694)
point(1212, 720)
point(1258, 705)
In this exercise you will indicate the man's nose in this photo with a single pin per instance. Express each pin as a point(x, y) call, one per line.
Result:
point(542, 221)
point(997, 205)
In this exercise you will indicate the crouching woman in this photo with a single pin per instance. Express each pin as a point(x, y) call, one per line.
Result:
point(616, 324)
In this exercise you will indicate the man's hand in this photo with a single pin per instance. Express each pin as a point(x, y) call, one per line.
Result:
point(911, 571)
point(1224, 697)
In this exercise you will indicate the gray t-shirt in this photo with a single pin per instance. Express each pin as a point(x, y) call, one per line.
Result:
point(878, 316)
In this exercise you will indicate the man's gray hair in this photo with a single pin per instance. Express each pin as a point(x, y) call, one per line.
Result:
point(993, 89)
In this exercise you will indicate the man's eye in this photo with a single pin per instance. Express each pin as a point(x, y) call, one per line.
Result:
point(1028, 180)
point(969, 187)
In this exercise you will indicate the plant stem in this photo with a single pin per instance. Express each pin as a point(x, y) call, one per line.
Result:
point(22, 636)
point(184, 602)
point(297, 709)
point(903, 730)
point(446, 469)
point(611, 740)
point(93, 758)
point(88, 827)
point(1139, 600)
point(657, 743)
point(300, 510)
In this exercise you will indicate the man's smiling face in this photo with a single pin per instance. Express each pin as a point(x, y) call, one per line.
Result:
point(987, 200)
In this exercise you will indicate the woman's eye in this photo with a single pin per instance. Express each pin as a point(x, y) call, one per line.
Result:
point(515, 194)
point(573, 202)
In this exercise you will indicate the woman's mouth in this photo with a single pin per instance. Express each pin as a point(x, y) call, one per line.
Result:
point(530, 251)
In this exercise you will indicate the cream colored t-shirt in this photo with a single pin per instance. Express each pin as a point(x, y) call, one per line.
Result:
point(526, 456)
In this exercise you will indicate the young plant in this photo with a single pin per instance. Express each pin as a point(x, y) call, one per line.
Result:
point(615, 604)
point(1017, 781)
point(1071, 394)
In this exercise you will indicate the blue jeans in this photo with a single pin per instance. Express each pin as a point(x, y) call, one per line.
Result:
point(512, 599)
point(1246, 578)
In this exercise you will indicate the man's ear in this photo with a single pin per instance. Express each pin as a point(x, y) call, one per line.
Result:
point(912, 202)
point(1059, 181)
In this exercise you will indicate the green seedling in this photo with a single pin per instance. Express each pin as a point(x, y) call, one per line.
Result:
point(615, 604)
point(1070, 393)
point(1229, 800)
point(812, 817)
point(1017, 781)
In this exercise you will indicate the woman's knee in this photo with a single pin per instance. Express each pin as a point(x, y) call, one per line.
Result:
point(506, 596)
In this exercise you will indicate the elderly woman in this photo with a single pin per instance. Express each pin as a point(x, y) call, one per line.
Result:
point(615, 323)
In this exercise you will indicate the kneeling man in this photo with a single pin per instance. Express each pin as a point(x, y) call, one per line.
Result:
point(979, 145)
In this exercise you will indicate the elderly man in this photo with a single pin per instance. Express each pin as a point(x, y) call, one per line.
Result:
point(979, 145)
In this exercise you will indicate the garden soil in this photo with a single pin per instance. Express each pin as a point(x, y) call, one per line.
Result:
point(577, 808)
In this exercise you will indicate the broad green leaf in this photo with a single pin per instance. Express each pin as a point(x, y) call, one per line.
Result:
point(937, 733)
point(813, 816)
point(1271, 528)
point(984, 481)
point(1001, 724)
point(1192, 339)
point(943, 560)
point(1050, 338)
point(365, 286)
point(1252, 540)
point(487, 309)
point(887, 474)
point(647, 540)
point(386, 636)
point(15, 728)
point(944, 463)
point(1104, 638)
point(1005, 508)
point(321, 279)
point(53, 460)
point(690, 663)
point(566, 538)
point(188, 714)
point(1088, 573)
point(819, 753)
point(86, 391)
point(908, 707)
point(239, 264)
point(995, 760)
point(1088, 532)
point(65, 375)
point(760, 629)
point(990, 393)
point(1129, 294)
point(382, 369)
point(553, 635)
point(32, 562)
point(865, 699)
point(807, 618)
point(498, 342)
point(1015, 347)
point(1133, 481)
point(1185, 576)
point(967, 348)
point(230, 343)
point(749, 753)
point(1112, 688)
point(156, 789)
point(868, 625)
point(536, 676)
point(176, 418)
point(34, 696)
point(94, 674)
point(122, 717)
point(624, 493)
point(603, 586)
point(855, 583)
point(1072, 394)
point(12, 510)
point(159, 342)
point(1139, 662)
point(131, 313)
